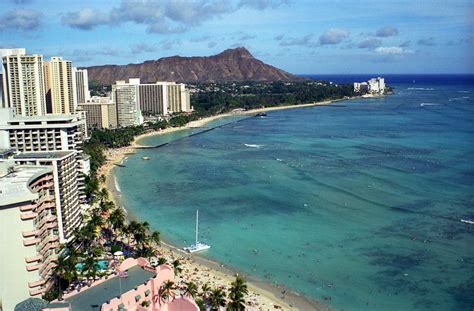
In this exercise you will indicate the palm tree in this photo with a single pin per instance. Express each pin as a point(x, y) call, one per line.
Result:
point(105, 206)
point(117, 219)
point(191, 289)
point(237, 293)
point(91, 267)
point(85, 236)
point(205, 288)
point(177, 267)
point(65, 269)
point(161, 261)
point(217, 299)
point(96, 220)
point(155, 237)
point(103, 194)
point(166, 290)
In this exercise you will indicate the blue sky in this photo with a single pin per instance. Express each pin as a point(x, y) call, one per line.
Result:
point(413, 36)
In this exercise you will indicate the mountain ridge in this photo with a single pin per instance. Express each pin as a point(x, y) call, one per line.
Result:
point(236, 64)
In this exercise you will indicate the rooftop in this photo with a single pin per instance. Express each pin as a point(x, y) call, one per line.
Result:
point(14, 186)
point(94, 297)
point(43, 155)
point(7, 119)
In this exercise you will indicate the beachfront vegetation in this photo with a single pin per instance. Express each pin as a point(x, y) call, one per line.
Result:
point(104, 231)
point(215, 98)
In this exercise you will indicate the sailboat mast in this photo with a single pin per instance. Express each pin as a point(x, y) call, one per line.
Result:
point(197, 225)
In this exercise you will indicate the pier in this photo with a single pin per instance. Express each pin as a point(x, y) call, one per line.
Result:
point(206, 129)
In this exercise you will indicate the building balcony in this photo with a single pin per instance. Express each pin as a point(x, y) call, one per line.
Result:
point(49, 264)
point(48, 226)
point(44, 271)
point(34, 267)
point(44, 206)
point(45, 220)
point(33, 259)
point(31, 242)
point(48, 247)
point(52, 238)
point(36, 283)
point(36, 292)
point(30, 233)
point(42, 179)
point(26, 208)
point(28, 216)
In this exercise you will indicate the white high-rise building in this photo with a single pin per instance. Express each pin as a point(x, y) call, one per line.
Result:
point(49, 133)
point(23, 83)
point(126, 98)
point(82, 85)
point(60, 86)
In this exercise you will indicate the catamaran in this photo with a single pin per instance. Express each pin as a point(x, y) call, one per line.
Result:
point(198, 246)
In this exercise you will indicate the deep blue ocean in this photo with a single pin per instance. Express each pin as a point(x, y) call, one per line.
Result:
point(357, 204)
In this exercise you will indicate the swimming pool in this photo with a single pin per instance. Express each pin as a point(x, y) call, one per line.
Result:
point(103, 264)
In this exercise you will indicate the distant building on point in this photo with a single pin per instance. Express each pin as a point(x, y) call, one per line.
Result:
point(373, 86)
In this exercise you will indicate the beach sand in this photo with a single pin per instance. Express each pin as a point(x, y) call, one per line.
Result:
point(262, 295)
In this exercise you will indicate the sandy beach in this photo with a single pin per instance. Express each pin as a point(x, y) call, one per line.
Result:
point(262, 295)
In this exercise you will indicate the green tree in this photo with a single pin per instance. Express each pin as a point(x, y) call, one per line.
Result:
point(217, 299)
point(156, 237)
point(177, 267)
point(117, 220)
point(237, 294)
point(205, 290)
point(191, 289)
point(91, 267)
point(166, 291)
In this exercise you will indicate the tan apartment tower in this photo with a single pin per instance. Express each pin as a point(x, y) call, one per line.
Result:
point(163, 98)
point(23, 83)
point(60, 86)
point(101, 112)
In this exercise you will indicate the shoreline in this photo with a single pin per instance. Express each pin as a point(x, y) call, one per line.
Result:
point(263, 295)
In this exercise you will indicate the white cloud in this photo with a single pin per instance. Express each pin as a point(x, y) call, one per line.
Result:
point(161, 16)
point(21, 19)
point(333, 36)
point(392, 50)
point(85, 19)
point(387, 31)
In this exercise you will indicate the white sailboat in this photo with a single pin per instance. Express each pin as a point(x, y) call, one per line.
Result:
point(198, 246)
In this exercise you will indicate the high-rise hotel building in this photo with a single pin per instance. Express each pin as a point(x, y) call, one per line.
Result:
point(23, 82)
point(29, 231)
point(44, 136)
point(163, 98)
point(82, 85)
point(127, 100)
point(101, 112)
point(134, 99)
point(60, 85)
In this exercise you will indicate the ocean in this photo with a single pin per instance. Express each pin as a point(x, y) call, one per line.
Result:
point(356, 204)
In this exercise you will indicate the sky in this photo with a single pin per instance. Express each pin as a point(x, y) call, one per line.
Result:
point(299, 36)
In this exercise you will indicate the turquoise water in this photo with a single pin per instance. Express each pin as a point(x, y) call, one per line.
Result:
point(358, 202)
point(103, 264)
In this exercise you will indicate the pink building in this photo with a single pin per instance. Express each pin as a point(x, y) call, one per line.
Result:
point(137, 289)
